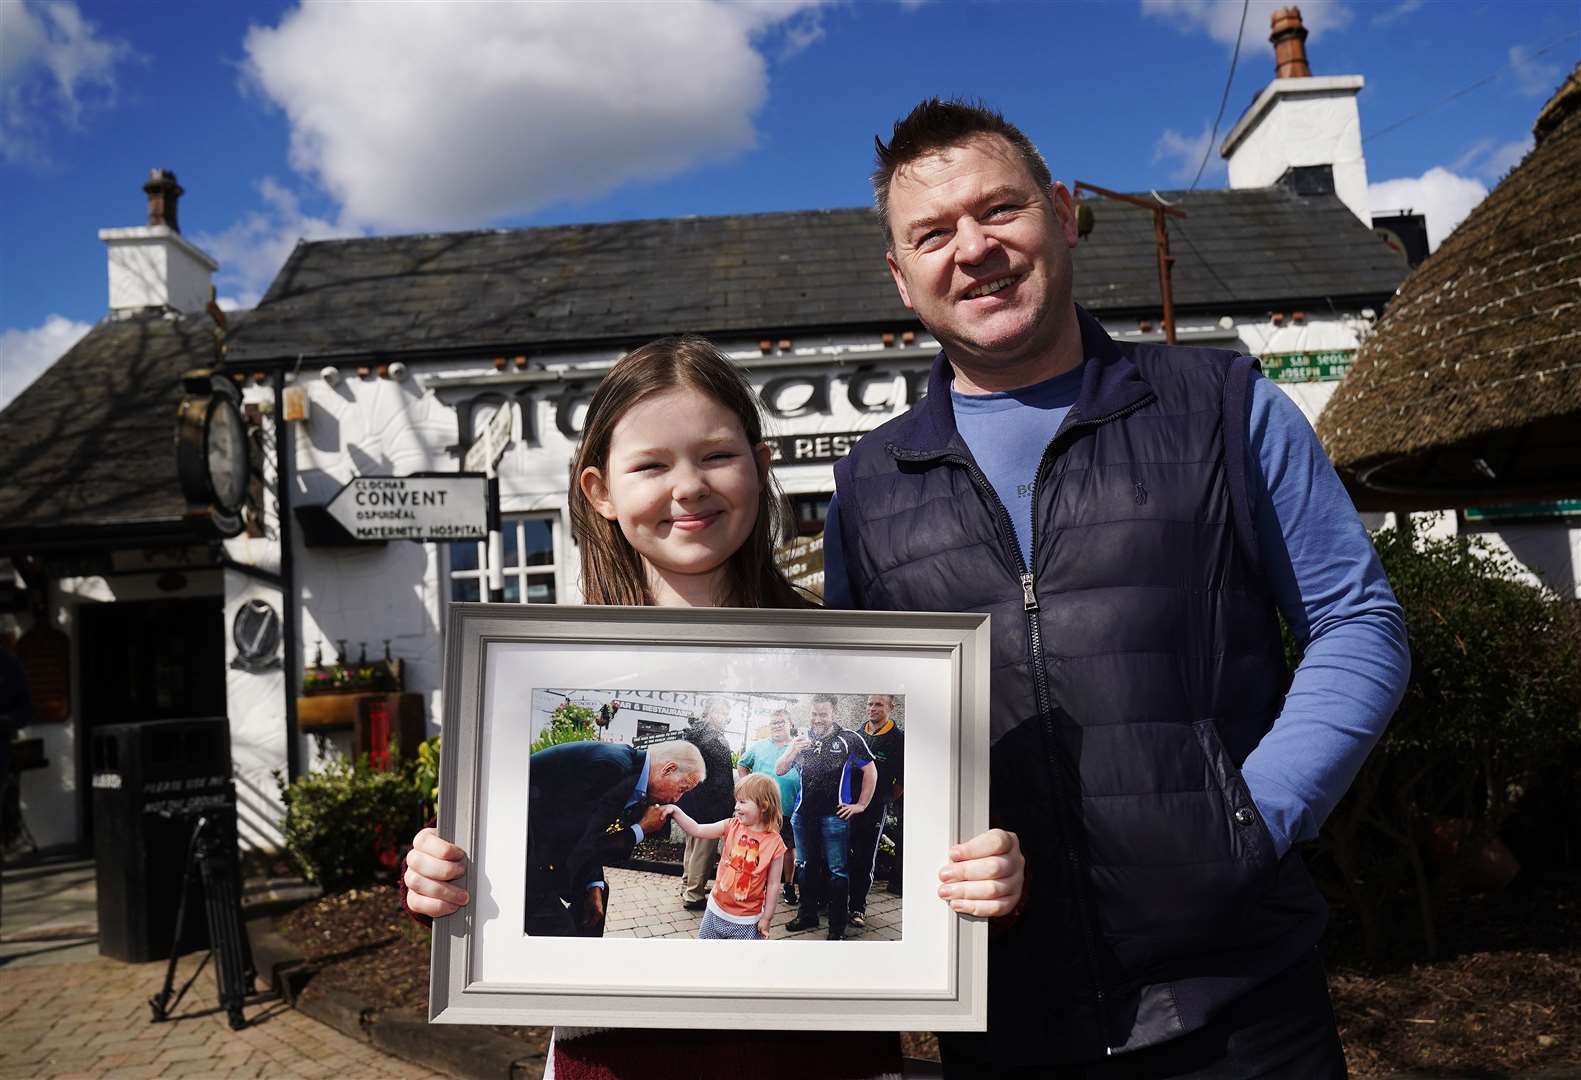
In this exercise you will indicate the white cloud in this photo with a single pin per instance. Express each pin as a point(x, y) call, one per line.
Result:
point(1488, 159)
point(1186, 152)
point(1533, 77)
point(422, 115)
point(1397, 12)
point(1441, 195)
point(252, 250)
point(1221, 21)
point(26, 354)
point(54, 67)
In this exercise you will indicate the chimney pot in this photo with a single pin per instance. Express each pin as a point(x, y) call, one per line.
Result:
point(1289, 38)
point(163, 194)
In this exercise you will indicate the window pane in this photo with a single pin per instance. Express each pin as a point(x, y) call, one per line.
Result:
point(513, 589)
point(464, 556)
point(508, 535)
point(464, 589)
point(540, 590)
point(540, 542)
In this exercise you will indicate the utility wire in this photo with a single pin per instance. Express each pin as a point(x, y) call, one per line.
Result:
point(1223, 98)
point(1550, 47)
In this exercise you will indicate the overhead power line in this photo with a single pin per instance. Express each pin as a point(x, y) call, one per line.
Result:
point(1223, 98)
point(1550, 47)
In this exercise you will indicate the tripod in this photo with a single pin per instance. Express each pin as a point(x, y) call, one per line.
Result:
point(211, 854)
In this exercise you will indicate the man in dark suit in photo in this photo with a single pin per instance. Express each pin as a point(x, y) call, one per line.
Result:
point(589, 803)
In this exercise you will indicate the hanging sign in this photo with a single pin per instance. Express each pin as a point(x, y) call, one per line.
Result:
point(423, 506)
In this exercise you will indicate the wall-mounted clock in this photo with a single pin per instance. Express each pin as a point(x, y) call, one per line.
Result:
point(212, 449)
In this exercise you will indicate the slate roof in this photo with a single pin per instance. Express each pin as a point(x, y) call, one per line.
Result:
point(91, 442)
point(621, 282)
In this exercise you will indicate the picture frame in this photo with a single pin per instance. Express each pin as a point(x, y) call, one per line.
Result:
point(486, 969)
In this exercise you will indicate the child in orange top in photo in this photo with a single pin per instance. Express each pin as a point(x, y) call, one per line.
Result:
point(751, 860)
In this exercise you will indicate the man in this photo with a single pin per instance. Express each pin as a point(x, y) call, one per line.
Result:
point(830, 760)
point(761, 757)
point(590, 803)
point(713, 800)
point(1135, 517)
point(888, 745)
point(16, 713)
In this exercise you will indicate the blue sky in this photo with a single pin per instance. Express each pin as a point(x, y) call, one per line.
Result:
point(287, 120)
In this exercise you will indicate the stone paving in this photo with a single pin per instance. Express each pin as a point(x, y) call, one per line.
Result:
point(66, 1012)
point(643, 904)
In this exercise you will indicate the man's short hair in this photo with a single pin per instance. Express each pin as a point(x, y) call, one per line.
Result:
point(934, 125)
point(683, 753)
point(827, 699)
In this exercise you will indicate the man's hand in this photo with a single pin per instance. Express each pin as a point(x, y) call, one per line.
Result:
point(593, 908)
point(846, 811)
point(430, 867)
point(798, 744)
point(653, 817)
point(985, 875)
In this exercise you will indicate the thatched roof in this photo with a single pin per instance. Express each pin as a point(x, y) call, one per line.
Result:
point(1469, 391)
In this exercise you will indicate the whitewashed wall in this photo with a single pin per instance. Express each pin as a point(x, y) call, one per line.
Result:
point(1299, 122)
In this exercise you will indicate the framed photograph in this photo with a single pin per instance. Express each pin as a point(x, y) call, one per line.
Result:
point(600, 761)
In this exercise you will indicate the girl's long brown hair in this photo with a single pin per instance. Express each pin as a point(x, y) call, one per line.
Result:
point(612, 571)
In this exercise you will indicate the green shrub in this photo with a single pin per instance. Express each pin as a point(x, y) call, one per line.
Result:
point(346, 823)
point(569, 722)
point(425, 776)
point(1494, 695)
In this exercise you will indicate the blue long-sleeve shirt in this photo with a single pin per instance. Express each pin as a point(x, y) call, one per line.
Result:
point(1321, 567)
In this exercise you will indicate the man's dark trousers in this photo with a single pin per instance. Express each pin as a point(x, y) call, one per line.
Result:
point(1282, 1030)
point(866, 829)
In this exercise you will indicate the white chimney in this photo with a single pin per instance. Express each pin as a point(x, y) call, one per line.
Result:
point(1300, 121)
point(154, 266)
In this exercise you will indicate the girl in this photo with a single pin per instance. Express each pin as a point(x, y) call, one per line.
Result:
point(673, 503)
point(750, 861)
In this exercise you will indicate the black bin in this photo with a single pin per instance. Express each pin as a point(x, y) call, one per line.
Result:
point(151, 782)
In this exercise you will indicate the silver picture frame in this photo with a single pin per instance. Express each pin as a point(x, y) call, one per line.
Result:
point(486, 970)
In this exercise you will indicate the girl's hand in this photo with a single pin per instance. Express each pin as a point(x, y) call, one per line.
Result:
point(763, 926)
point(985, 875)
point(430, 867)
point(668, 808)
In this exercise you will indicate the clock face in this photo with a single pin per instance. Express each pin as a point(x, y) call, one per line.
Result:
point(227, 454)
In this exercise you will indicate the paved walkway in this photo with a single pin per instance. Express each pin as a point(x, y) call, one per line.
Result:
point(643, 904)
point(66, 1012)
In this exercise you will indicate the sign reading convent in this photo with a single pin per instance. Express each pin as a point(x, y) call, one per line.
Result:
point(424, 506)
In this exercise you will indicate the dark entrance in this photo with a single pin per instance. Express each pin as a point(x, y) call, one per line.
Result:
point(147, 660)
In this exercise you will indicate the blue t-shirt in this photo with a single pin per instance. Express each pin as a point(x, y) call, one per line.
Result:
point(1000, 427)
point(761, 757)
point(1321, 567)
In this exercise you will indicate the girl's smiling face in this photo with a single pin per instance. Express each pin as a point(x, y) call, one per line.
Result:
point(747, 813)
point(683, 484)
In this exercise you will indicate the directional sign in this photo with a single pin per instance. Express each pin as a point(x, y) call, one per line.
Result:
point(485, 451)
point(448, 506)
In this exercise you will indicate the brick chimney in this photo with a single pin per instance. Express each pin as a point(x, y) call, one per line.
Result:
point(153, 267)
point(163, 194)
point(1301, 128)
point(1289, 38)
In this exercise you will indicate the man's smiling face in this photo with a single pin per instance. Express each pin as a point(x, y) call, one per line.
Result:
point(982, 254)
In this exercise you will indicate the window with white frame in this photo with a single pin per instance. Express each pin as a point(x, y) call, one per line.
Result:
point(530, 567)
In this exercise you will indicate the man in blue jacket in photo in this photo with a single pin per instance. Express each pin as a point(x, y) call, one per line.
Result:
point(1136, 518)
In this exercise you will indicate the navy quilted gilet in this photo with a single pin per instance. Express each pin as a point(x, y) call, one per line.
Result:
point(1135, 665)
